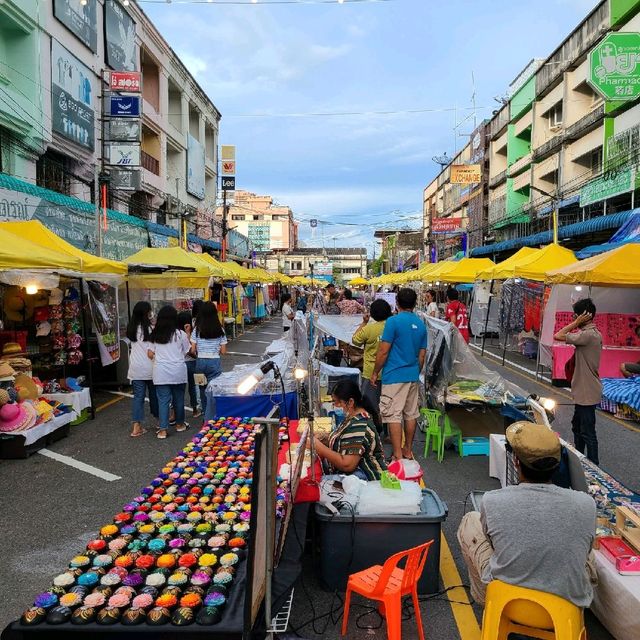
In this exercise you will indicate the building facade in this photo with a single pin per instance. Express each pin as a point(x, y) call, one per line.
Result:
point(339, 264)
point(400, 249)
point(55, 60)
point(269, 227)
point(558, 146)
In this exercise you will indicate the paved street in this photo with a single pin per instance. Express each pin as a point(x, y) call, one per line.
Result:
point(73, 504)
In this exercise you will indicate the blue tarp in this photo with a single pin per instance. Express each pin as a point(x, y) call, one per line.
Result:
point(622, 391)
point(628, 232)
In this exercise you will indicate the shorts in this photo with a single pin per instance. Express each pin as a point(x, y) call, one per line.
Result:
point(399, 401)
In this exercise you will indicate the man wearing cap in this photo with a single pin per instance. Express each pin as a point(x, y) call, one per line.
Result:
point(534, 534)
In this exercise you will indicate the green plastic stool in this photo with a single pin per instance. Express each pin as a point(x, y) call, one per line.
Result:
point(432, 416)
point(450, 431)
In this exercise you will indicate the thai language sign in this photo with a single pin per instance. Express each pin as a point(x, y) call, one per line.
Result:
point(612, 183)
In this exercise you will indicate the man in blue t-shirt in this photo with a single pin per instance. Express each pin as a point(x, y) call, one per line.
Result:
point(400, 357)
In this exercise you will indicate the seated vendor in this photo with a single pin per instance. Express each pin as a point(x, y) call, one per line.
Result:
point(354, 447)
point(534, 534)
point(631, 369)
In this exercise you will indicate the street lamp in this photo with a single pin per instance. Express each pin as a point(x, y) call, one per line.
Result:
point(555, 200)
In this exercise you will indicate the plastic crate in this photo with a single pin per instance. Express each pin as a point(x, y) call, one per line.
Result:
point(474, 446)
point(349, 544)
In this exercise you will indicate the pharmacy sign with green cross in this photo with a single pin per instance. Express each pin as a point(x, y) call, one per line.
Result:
point(614, 66)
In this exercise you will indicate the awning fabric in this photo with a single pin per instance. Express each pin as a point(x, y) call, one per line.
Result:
point(466, 271)
point(504, 269)
point(601, 223)
point(618, 268)
point(553, 256)
point(19, 253)
point(36, 232)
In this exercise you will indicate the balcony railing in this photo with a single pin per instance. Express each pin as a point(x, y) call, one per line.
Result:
point(588, 122)
point(549, 147)
point(498, 179)
point(519, 165)
point(150, 163)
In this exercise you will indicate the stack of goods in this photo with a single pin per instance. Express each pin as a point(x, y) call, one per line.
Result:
point(21, 407)
point(172, 554)
point(64, 327)
point(13, 355)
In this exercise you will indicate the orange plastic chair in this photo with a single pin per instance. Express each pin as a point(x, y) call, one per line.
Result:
point(388, 584)
point(535, 614)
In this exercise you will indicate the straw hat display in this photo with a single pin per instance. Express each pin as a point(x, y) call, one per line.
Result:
point(26, 388)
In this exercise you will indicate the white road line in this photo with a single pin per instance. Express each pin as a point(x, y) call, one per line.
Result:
point(76, 464)
point(130, 395)
point(240, 353)
point(515, 365)
point(255, 341)
point(269, 333)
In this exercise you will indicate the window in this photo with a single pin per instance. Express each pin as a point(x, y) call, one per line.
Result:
point(595, 160)
point(555, 116)
point(53, 172)
point(256, 217)
point(237, 216)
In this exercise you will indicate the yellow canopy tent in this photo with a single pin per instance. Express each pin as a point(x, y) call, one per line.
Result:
point(466, 270)
point(185, 269)
point(551, 257)
point(34, 231)
point(440, 271)
point(220, 267)
point(359, 282)
point(616, 268)
point(19, 253)
point(504, 269)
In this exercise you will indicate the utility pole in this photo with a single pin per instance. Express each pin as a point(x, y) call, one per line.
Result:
point(224, 225)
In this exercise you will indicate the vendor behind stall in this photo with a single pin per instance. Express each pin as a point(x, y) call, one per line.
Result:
point(354, 447)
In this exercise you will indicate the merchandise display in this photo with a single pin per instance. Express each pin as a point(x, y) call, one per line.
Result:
point(171, 556)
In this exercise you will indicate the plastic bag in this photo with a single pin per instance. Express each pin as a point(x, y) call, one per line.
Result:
point(374, 500)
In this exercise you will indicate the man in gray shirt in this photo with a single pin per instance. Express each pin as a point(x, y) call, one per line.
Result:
point(534, 534)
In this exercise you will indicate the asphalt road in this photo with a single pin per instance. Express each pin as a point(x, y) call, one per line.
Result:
point(50, 509)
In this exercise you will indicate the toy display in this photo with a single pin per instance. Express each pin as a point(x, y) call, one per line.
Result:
point(171, 555)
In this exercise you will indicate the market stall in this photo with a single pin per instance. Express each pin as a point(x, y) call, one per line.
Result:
point(610, 279)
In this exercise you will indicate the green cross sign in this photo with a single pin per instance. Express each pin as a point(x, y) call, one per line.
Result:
point(614, 66)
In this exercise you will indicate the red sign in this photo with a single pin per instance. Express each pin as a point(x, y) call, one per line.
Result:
point(228, 167)
point(125, 81)
point(446, 225)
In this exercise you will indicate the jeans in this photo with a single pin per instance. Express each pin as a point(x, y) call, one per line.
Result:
point(191, 383)
point(140, 389)
point(170, 395)
point(584, 431)
point(211, 368)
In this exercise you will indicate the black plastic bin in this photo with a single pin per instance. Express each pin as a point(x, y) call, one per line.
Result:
point(349, 544)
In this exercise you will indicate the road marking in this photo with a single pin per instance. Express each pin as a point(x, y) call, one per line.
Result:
point(255, 341)
point(76, 464)
point(463, 614)
point(240, 353)
point(269, 333)
point(113, 401)
point(558, 391)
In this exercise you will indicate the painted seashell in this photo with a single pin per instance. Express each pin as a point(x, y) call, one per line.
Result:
point(33, 616)
point(209, 616)
point(108, 615)
point(158, 616)
point(58, 615)
point(183, 617)
point(133, 617)
point(83, 615)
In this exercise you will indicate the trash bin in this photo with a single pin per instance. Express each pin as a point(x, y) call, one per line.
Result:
point(350, 543)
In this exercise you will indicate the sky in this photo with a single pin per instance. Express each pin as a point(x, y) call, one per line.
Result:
point(280, 73)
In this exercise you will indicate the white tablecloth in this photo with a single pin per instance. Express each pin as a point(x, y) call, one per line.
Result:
point(79, 400)
point(31, 435)
point(616, 601)
point(498, 458)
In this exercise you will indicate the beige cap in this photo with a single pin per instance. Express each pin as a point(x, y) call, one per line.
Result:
point(532, 442)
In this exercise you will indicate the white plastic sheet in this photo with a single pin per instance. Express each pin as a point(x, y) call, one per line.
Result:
point(340, 327)
point(374, 500)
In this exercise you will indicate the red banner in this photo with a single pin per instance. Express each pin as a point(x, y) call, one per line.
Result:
point(446, 225)
point(125, 81)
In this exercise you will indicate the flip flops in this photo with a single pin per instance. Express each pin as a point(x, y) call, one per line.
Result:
point(137, 435)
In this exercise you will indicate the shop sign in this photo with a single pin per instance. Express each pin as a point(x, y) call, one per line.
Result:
point(228, 152)
point(228, 167)
point(72, 113)
point(614, 66)
point(228, 183)
point(120, 36)
point(123, 106)
point(465, 173)
point(122, 154)
point(612, 183)
point(323, 268)
point(125, 179)
point(123, 130)
point(260, 236)
point(76, 227)
point(103, 303)
point(128, 81)
point(446, 225)
point(195, 167)
point(158, 240)
point(80, 19)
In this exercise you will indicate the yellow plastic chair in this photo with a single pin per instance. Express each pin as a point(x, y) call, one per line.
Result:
point(531, 613)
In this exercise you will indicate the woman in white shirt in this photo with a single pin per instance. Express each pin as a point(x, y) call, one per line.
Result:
point(140, 367)
point(169, 345)
point(432, 307)
point(208, 344)
point(287, 312)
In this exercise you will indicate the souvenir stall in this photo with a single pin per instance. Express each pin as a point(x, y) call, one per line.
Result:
point(202, 551)
point(523, 296)
point(51, 318)
point(611, 279)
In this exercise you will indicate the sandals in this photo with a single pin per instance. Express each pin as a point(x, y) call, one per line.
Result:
point(161, 434)
point(137, 434)
point(183, 427)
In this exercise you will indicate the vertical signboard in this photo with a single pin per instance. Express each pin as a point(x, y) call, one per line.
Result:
point(72, 112)
point(195, 167)
point(120, 37)
point(80, 19)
